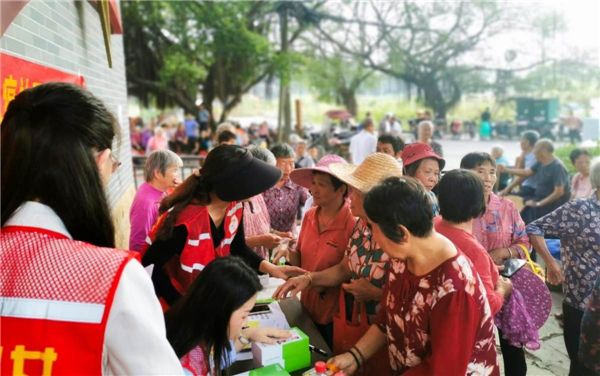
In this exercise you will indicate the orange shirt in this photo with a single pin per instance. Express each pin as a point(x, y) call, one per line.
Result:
point(320, 251)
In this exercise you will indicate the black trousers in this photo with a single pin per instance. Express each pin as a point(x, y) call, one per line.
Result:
point(513, 358)
point(574, 135)
point(571, 331)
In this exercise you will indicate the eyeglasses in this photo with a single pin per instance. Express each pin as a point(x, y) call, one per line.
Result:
point(115, 162)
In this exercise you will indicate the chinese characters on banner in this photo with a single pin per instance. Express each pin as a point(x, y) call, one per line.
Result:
point(17, 75)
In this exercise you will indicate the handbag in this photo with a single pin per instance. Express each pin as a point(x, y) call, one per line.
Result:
point(533, 266)
point(347, 332)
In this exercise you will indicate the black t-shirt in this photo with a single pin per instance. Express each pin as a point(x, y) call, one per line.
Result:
point(161, 251)
point(552, 175)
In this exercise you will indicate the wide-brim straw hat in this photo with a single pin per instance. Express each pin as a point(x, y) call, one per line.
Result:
point(303, 176)
point(373, 170)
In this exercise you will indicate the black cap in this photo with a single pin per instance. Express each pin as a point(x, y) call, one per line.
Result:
point(245, 178)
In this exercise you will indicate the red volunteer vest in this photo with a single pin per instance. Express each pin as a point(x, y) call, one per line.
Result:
point(198, 250)
point(55, 298)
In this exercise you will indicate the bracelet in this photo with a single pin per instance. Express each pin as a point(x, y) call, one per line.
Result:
point(359, 353)
point(243, 340)
point(510, 253)
point(309, 276)
point(355, 358)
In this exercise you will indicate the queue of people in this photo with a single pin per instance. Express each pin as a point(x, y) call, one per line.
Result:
point(416, 256)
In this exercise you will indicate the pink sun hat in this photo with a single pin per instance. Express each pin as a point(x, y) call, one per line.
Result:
point(303, 176)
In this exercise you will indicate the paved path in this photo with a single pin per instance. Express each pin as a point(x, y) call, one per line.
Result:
point(455, 150)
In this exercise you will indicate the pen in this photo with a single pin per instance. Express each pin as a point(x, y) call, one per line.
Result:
point(317, 350)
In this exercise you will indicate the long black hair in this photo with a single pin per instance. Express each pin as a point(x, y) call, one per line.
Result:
point(49, 136)
point(197, 188)
point(201, 317)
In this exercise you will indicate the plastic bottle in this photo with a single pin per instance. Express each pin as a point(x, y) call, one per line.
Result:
point(320, 369)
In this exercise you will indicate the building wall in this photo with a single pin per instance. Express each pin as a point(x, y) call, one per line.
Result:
point(67, 35)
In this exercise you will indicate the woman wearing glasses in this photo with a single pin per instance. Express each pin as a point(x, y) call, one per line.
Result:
point(61, 274)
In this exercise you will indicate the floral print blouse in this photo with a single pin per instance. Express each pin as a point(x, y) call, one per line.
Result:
point(577, 225)
point(501, 226)
point(366, 259)
point(439, 323)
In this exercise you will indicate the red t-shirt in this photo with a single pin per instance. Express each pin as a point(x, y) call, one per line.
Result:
point(319, 251)
point(484, 265)
point(438, 323)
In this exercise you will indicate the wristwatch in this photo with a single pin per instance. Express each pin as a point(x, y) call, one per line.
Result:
point(537, 204)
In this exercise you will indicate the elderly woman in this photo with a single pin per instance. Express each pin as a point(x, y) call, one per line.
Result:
point(257, 223)
point(286, 198)
point(501, 231)
point(577, 225)
point(364, 264)
point(161, 173)
point(436, 319)
point(424, 164)
point(325, 231)
point(424, 135)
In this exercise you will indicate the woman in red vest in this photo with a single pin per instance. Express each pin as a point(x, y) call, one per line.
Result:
point(202, 220)
point(70, 304)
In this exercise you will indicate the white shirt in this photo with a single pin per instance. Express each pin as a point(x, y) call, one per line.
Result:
point(135, 341)
point(362, 145)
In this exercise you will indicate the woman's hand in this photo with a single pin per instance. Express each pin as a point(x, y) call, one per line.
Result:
point(554, 274)
point(363, 290)
point(265, 335)
point(292, 286)
point(269, 240)
point(344, 362)
point(286, 234)
point(285, 271)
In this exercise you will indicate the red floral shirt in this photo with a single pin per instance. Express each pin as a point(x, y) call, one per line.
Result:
point(439, 323)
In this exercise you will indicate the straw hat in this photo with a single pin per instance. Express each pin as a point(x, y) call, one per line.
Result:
point(374, 169)
point(303, 176)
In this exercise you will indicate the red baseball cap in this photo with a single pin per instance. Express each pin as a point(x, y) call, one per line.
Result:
point(416, 151)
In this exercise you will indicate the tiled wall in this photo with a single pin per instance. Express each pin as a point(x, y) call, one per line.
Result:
point(67, 35)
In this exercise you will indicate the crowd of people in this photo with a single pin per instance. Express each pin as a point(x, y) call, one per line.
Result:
point(422, 257)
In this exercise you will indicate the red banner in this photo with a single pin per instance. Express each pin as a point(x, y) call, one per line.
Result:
point(18, 74)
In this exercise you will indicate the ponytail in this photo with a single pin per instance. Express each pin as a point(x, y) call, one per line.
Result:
point(194, 190)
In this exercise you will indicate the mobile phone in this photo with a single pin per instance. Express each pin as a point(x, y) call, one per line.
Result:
point(260, 308)
point(511, 266)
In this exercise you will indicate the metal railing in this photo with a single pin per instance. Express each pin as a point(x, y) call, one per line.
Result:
point(190, 162)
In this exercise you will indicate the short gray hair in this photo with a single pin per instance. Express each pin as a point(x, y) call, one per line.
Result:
point(160, 160)
point(546, 144)
point(283, 151)
point(426, 123)
point(263, 154)
point(595, 173)
point(225, 126)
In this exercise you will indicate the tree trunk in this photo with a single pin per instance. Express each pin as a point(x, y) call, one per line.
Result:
point(269, 88)
point(434, 97)
point(349, 100)
point(285, 107)
point(208, 95)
